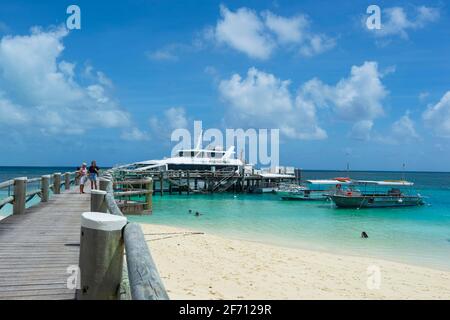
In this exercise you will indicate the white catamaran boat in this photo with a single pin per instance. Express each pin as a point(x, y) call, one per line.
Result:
point(213, 159)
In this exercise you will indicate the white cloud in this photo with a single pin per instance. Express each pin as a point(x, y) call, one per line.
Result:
point(165, 54)
point(287, 30)
point(316, 44)
point(362, 130)
point(172, 119)
point(135, 135)
point(423, 95)
point(263, 100)
point(437, 116)
point(395, 21)
point(355, 98)
point(404, 129)
point(244, 31)
point(43, 90)
point(259, 35)
point(10, 113)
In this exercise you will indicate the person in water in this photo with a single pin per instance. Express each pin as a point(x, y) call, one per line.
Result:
point(93, 174)
point(82, 175)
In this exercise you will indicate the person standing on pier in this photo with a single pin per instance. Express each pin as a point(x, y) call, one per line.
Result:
point(93, 174)
point(82, 174)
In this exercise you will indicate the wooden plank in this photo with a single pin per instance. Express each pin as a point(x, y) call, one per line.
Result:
point(37, 247)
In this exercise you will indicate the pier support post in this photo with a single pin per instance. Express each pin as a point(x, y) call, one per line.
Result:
point(20, 194)
point(179, 182)
point(57, 183)
point(45, 184)
point(161, 183)
point(101, 256)
point(98, 201)
point(188, 183)
point(103, 184)
point(67, 181)
point(149, 195)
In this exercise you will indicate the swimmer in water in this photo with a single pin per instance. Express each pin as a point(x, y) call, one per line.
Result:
point(364, 235)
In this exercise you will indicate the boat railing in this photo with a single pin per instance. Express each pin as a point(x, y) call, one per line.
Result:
point(139, 279)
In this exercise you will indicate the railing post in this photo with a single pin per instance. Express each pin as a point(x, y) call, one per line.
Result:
point(101, 256)
point(20, 194)
point(67, 181)
point(103, 184)
point(45, 184)
point(98, 202)
point(149, 195)
point(57, 183)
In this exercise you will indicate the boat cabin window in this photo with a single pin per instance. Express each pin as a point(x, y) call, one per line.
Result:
point(395, 191)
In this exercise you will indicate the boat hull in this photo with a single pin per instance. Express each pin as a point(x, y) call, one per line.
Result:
point(301, 196)
point(375, 202)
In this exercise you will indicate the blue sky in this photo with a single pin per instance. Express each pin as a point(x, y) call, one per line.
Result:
point(136, 70)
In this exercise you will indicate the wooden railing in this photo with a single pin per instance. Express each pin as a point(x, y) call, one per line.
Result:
point(102, 251)
point(19, 195)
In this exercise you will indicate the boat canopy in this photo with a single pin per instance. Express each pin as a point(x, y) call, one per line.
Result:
point(383, 183)
point(276, 175)
point(329, 181)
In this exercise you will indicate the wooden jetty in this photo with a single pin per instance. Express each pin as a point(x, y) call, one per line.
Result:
point(207, 182)
point(37, 248)
point(61, 249)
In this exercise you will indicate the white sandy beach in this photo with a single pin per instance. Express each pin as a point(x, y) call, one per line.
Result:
point(203, 266)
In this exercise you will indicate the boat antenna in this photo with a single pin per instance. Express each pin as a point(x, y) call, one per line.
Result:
point(403, 172)
point(348, 169)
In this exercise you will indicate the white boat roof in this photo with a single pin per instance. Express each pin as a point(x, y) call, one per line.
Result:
point(276, 175)
point(329, 181)
point(384, 183)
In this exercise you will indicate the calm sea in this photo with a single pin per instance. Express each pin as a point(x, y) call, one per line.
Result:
point(418, 235)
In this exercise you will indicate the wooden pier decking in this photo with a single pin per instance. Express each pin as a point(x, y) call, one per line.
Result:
point(37, 247)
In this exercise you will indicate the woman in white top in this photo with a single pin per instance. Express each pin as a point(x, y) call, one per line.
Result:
point(82, 175)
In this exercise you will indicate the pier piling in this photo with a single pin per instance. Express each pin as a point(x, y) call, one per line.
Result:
point(103, 184)
point(149, 195)
point(57, 183)
point(98, 202)
point(45, 184)
point(101, 256)
point(20, 194)
point(67, 181)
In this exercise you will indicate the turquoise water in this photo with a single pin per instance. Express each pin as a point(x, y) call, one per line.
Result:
point(417, 235)
point(7, 173)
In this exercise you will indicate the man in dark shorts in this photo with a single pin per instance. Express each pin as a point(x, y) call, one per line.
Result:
point(93, 174)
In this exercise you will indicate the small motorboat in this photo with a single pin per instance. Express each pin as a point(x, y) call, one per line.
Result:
point(376, 194)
